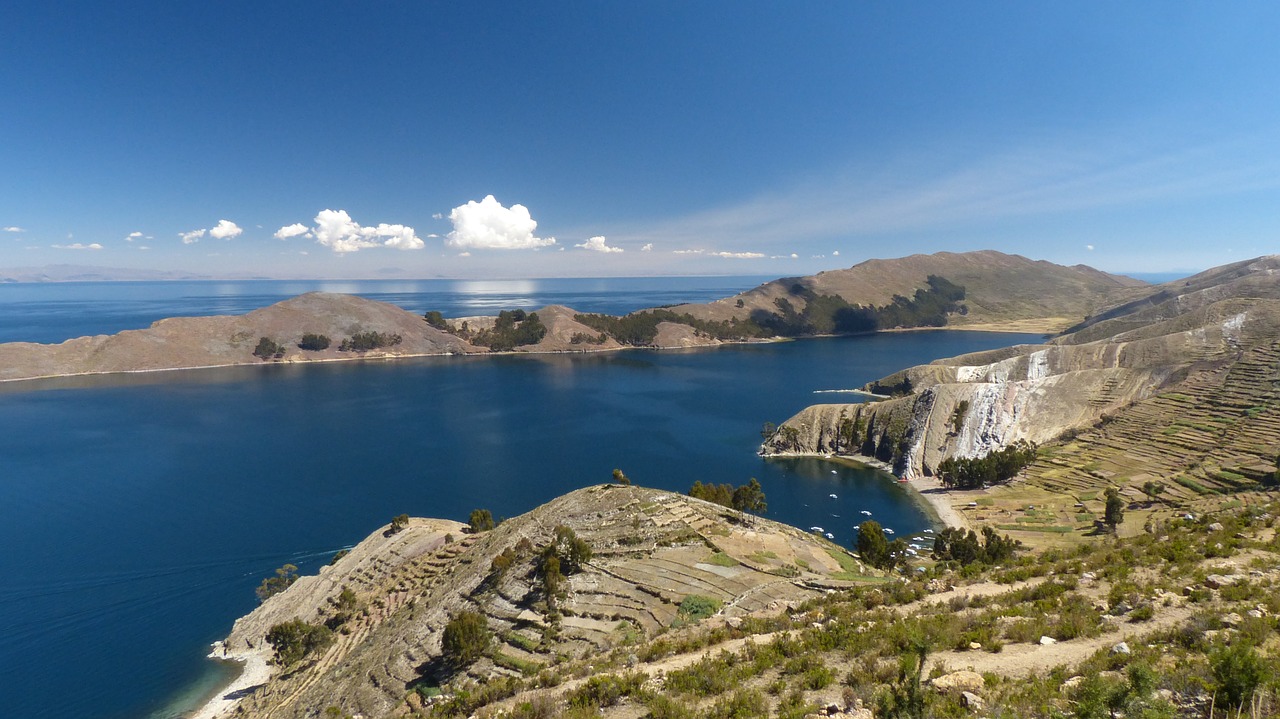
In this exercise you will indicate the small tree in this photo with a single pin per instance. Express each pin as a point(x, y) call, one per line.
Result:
point(466, 638)
point(1153, 490)
point(398, 523)
point(872, 545)
point(621, 478)
point(295, 640)
point(750, 498)
point(481, 520)
point(1113, 515)
point(271, 586)
point(1238, 670)
point(435, 319)
point(768, 430)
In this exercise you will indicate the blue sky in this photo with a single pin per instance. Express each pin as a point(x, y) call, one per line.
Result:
point(317, 139)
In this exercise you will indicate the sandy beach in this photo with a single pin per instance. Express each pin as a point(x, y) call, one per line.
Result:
point(940, 500)
point(256, 672)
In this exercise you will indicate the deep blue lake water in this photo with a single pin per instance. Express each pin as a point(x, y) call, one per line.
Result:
point(139, 512)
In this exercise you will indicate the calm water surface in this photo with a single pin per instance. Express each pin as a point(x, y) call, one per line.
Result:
point(140, 512)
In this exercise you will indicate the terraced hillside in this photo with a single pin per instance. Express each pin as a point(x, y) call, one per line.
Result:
point(651, 551)
point(1182, 394)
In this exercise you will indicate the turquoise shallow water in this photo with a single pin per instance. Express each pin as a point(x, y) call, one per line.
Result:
point(140, 512)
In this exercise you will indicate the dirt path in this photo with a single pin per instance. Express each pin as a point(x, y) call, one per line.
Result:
point(1021, 660)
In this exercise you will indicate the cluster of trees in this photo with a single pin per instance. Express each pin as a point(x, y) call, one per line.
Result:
point(580, 338)
point(514, 328)
point(957, 545)
point(831, 314)
point(998, 466)
point(640, 328)
point(365, 341)
point(748, 497)
point(271, 586)
point(314, 342)
point(268, 349)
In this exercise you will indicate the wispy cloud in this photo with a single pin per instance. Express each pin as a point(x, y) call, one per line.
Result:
point(192, 237)
point(14, 228)
point(942, 189)
point(78, 246)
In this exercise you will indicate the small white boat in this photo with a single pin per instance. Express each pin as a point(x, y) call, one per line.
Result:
point(833, 496)
point(866, 512)
point(829, 535)
point(888, 531)
point(833, 471)
point(816, 530)
point(928, 531)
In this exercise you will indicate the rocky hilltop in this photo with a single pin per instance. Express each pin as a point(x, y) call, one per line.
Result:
point(1175, 385)
point(650, 552)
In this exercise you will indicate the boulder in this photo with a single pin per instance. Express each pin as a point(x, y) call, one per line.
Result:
point(1046, 641)
point(972, 702)
point(957, 682)
point(1218, 581)
point(1121, 648)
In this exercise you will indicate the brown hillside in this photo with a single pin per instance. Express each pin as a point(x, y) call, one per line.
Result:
point(186, 342)
point(1000, 288)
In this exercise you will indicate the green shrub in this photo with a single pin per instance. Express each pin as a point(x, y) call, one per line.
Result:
point(696, 606)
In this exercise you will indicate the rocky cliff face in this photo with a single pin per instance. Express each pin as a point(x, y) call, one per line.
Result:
point(970, 405)
point(651, 550)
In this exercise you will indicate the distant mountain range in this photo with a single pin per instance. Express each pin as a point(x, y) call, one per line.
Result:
point(91, 273)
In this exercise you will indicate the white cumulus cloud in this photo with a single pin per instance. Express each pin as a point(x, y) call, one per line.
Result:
point(1089, 247)
point(835, 253)
point(648, 247)
point(336, 230)
point(13, 228)
point(293, 230)
point(133, 236)
point(597, 244)
point(192, 236)
point(739, 255)
point(225, 230)
point(687, 252)
point(78, 246)
point(488, 225)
